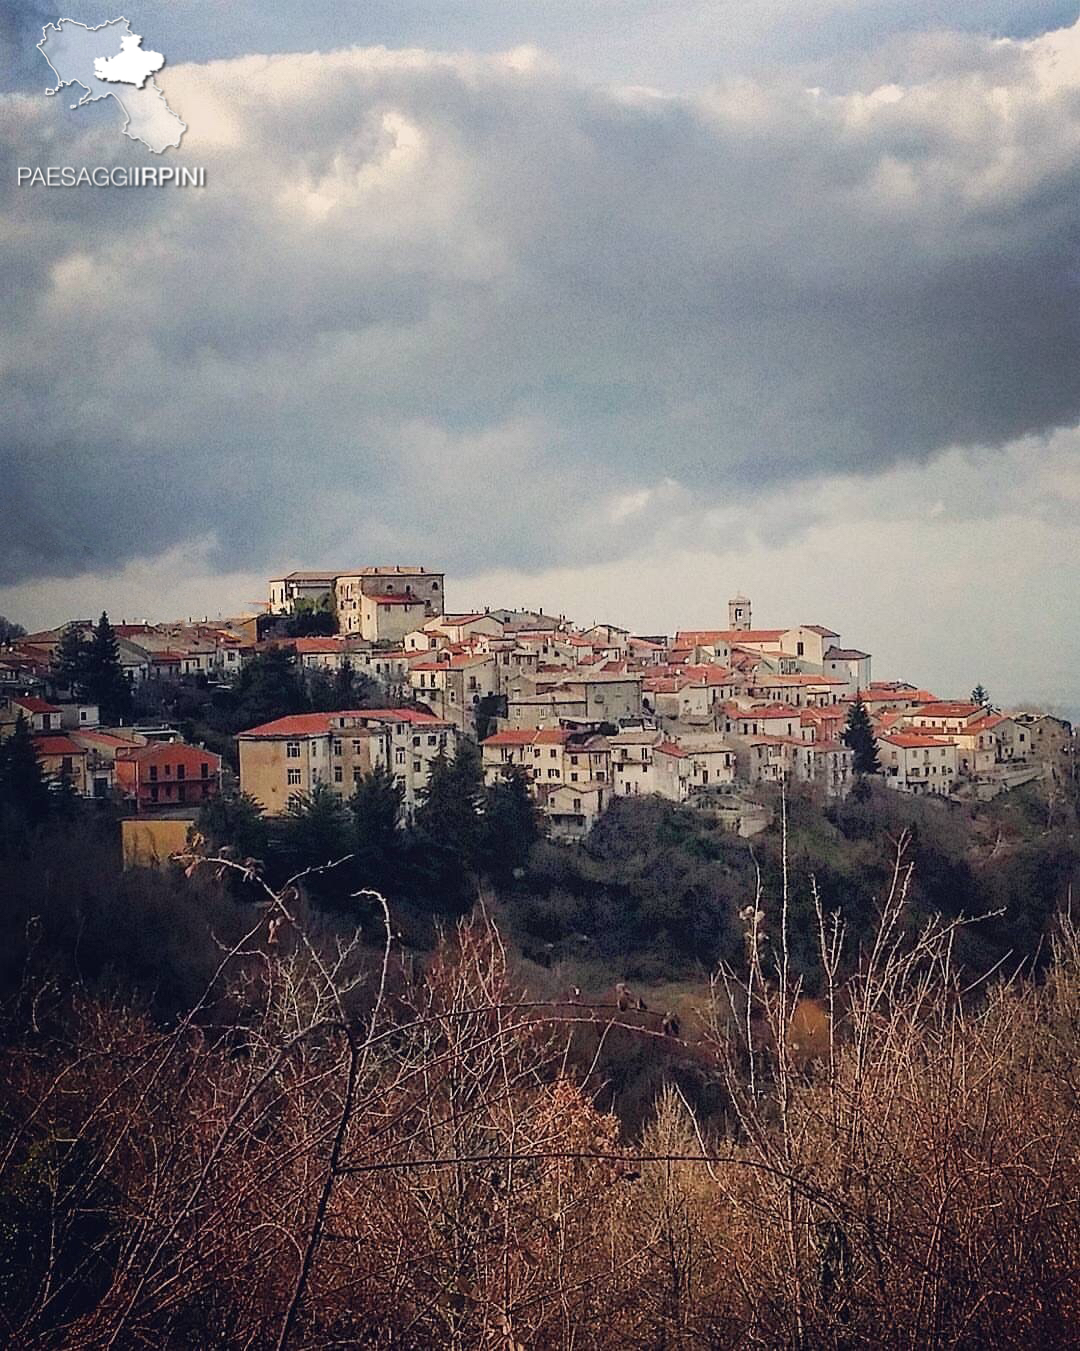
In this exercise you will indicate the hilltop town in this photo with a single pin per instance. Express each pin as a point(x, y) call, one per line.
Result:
point(586, 713)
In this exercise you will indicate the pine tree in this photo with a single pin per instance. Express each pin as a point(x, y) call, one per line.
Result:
point(376, 808)
point(317, 828)
point(71, 661)
point(511, 824)
point(981, 696)
point(106, 683)
point(235, 820)
point(269, 687)
point(24, 792)
point(10, 631)
point(449, 826)
point(859, 737)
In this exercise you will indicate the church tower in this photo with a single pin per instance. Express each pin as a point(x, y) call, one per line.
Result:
point(738, 611)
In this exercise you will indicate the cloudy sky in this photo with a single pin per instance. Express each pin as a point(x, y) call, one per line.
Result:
point(613, 308)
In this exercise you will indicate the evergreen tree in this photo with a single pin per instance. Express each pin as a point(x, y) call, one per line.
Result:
point(24, 793)
point(268, 687)
point(511, 824)
point(449, 826)
point(71, 661)
point(981, 695)
point(317, 829)
point(10, 631)
point(236, 820)
point(376, 808)
point(859, 737)
point(106, 685)
point(344, 689)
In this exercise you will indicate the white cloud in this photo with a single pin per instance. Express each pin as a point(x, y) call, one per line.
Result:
point(472, 310)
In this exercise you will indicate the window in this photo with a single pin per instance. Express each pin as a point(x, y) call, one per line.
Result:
point(205, 769)
point(553, 774)
point(430, 741)
point(356, 748)
point(577, 804)
point(416, 741)
point(552, 754)
point(181, 771)
point(799, 649)
point(339, 774)
point(153, 773)
point(357, 775)
point(292, 776)
point(416, 766)
point(65, 765)
point(337, 746)
point(292, 750)
point(399, 756)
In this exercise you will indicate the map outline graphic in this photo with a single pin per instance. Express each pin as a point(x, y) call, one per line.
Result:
point(146, 110)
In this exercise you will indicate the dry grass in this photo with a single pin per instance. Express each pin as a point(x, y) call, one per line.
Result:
point(378, 1159)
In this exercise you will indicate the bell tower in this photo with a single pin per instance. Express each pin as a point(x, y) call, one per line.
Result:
point(738, 610)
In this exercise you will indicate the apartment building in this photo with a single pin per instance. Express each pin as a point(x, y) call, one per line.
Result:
point(289, 757)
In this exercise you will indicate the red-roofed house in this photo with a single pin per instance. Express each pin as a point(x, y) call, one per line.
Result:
point(167, 774)
point(282, 759)
point(40, 715)
point(917, 762)
point(61, 757)
point(384, 604)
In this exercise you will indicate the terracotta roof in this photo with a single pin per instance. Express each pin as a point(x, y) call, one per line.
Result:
point(168, 750)
point(915, 740)
point(819, 630)
point(32, 704)
point(511, 738)
point(57, 745)
point(942, 708)
point(551, 736)
point(303, 645)
point(845, 654)
point(320, 724)
point(670, 748)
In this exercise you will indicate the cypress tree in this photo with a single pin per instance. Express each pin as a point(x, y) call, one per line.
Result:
point(859, 736)
point(23, 790)
point(106, 683)
point(71, 661)
point(376, 808)
point(511, 823)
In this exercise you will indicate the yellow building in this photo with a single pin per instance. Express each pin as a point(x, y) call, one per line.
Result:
point(150, 841)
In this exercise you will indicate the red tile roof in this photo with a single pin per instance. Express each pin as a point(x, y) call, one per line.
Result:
point(942, 708)
point(511, 737)
point(320, 724)
point(32, 704)
point(57, 745)
point(710, 637)
point(670, 748)
point(915, 740)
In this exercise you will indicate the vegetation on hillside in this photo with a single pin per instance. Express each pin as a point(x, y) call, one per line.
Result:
point(333, 1144)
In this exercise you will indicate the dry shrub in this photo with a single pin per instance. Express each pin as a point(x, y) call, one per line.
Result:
point(372, 1157)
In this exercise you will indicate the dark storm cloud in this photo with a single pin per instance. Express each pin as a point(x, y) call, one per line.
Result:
point(450, 305)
